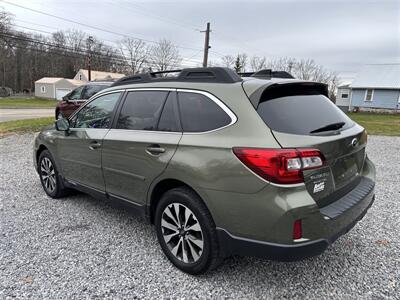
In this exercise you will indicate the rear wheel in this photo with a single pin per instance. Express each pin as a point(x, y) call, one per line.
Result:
point(49, 176)
point(186, 231)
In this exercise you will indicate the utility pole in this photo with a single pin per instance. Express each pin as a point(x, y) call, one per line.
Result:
point(206, 45)
point(89, 57)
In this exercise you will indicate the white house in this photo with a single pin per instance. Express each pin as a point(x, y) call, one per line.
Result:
point(55, 87)
point(83, 75)
point(343, 96)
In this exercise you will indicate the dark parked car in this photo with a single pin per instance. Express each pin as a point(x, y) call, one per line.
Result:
point(74, 99)
point(221, 165)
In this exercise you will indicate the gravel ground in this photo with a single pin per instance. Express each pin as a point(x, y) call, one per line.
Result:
point(79, 247)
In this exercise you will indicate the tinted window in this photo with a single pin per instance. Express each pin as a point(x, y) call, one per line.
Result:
point(301, 114)
point(141, 110)
point(75, 94)
point(90, 90)
point(97, 113)
point(168, 120)
point(199, 113)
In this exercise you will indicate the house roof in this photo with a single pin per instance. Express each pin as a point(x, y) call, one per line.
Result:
point(385, 76)
point(100, 75)
point(49, 80)
point(75, 82)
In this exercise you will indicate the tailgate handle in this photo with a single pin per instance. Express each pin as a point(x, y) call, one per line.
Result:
point(154, 150)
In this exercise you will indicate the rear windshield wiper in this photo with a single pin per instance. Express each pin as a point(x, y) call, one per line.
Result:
point(329, 127)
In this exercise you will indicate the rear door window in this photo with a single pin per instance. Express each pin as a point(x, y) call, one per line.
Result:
point(200, 114)
point(141, 110)
point(301, 114)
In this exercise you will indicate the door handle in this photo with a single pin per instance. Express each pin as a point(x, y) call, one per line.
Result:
point(94, 145)
point(154, 150)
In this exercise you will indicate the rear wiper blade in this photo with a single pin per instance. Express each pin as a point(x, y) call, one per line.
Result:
point(333, 126)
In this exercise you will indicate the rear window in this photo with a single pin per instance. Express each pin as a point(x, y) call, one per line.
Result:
point(301, 114)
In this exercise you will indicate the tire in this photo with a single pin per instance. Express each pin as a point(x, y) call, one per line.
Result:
point(49, 176)
point(192, 248)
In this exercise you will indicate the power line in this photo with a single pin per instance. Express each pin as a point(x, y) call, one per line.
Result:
point(98, 55)
point(111, 47)
point(90, 26)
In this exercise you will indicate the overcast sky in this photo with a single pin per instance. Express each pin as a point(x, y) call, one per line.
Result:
point(340, 35)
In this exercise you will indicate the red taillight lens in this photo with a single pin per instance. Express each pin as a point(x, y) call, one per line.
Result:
point(283, 166)
point(297, 230)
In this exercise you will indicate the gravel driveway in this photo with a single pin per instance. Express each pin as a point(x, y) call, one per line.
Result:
point(79, 247)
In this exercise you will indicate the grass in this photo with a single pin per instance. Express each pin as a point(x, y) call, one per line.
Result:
point(378, 124)
point(28, 102)
point(22, 126)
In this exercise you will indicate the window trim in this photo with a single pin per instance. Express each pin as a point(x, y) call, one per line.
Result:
point(372, 95)
point(213, 98)
point(221, 104)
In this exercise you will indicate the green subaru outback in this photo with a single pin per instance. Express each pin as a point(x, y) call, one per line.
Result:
point(221, 164)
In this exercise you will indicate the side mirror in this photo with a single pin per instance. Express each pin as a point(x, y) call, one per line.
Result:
point(62, 124)
point(65, 98)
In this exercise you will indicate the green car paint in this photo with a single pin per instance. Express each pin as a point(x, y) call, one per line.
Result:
point(242, 204)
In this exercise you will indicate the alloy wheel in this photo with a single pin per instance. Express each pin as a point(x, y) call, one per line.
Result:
point(48, 174)
point(182, 233)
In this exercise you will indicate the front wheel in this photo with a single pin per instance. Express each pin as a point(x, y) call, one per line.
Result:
point(49, 176)
point(186, 231)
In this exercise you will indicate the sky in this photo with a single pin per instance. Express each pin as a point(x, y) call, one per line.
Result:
point(341, 35)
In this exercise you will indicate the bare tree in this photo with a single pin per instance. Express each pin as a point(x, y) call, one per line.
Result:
point(135, 52)
point(243, 61)
point(164, 56)
point(228, 61)
point(257, 63)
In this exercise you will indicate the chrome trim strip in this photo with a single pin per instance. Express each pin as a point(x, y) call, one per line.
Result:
point(144, 131)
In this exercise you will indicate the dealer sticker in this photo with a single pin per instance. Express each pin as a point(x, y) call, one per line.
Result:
point(318, 187)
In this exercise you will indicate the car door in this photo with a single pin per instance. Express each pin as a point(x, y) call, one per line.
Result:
point(141, 143)
point(80, 148)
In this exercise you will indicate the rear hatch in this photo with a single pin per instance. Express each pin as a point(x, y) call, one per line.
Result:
point(301, 116)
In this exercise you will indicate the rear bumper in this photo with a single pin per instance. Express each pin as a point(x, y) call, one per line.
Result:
point(233, 245)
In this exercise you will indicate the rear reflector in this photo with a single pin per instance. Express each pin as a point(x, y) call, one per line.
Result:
point(282, 166)
point(297, 230)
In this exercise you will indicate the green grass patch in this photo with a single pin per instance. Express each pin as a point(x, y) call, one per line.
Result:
point(22, 126)
point(10, 102)
point(378, 124)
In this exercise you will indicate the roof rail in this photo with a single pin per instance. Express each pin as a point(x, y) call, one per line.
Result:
point(267, 74)
point(212, 74)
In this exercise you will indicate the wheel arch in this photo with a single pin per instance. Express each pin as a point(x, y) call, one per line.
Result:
point(160, 188)
point(40, 149)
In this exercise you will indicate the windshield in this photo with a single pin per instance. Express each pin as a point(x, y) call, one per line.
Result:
point(303, 114)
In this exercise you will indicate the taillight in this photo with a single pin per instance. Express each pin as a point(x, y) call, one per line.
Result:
point(282, 166)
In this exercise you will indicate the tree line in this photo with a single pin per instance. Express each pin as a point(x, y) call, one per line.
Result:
point(27, 57)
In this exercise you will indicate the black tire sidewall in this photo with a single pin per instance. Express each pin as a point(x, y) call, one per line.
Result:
point(198, 208)
point(57, 191)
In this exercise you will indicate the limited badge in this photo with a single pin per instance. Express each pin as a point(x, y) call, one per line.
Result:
point(318, 187)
